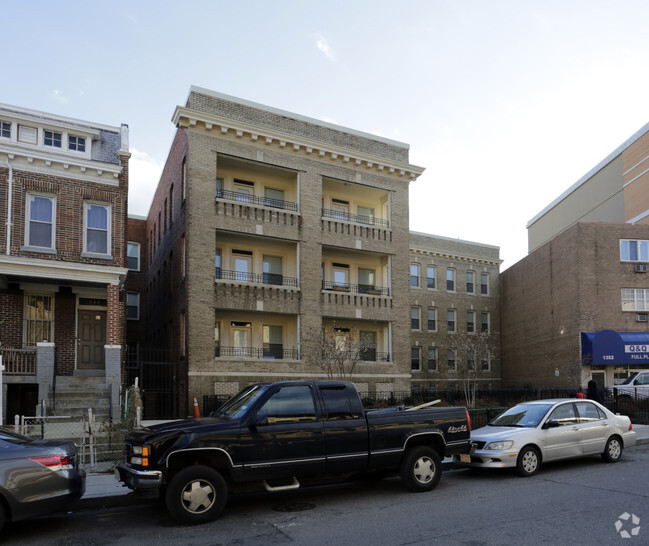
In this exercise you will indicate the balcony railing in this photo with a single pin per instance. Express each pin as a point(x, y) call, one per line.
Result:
point(259, 278)
point(359, 219)
point(368, 289)
point(256, 352)
point(255, 200)
point(19, 361)
point(364, 355)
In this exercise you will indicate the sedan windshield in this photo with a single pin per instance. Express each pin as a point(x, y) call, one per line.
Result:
point(522, 415)
point(237, 406)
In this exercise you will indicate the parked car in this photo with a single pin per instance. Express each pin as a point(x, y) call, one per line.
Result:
point(636, 383)
point(37, 476)
point(535, 432)
point(286, 435)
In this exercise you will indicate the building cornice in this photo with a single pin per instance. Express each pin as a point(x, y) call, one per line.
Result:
point(59, 165)
point(454, 257)
point(186, 118)
point(69, 271)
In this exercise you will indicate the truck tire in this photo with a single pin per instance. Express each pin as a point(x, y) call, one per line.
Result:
point(421, 469)
point(528, 462)
point(613, 450)
point(196, 494)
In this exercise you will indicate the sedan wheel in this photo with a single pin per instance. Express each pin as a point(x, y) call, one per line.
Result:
point(613, 450)
point(528, 462)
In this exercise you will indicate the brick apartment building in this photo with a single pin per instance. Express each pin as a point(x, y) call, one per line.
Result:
point(576, 306)
point(63, 210)
point(267, 229)
point(454, 313)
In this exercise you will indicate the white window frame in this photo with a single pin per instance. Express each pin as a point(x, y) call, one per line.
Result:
point(635, 299)
point(27, 134)
point(133, 244)
point(54, 142)
point(4, 123)
point(109, 238)
point(28, 221)
point(78, 139)
point(485, 284)
point(416, 277)
point(642, 250)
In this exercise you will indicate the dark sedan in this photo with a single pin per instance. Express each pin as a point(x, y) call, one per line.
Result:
point(37, 476)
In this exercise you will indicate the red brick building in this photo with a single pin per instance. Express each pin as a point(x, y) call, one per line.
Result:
point(63, 218)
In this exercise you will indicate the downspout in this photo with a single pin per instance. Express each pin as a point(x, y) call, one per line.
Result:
point(9, 224)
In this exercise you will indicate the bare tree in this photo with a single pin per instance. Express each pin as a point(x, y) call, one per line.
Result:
point(337, 351)
point(479, 349)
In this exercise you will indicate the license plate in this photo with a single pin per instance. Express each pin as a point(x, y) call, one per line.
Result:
point(465, 458)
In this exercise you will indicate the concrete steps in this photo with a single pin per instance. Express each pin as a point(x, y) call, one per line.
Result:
point(74, 395)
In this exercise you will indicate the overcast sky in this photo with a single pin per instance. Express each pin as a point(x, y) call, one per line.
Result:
point(505, 103)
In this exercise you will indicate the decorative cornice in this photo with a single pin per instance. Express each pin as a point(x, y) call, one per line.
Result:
point(69, 271)
point(186, 118)
point(454, 257)
point(60, 165)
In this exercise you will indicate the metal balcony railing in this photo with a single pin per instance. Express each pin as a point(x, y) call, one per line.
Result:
point(276, 352)
point(358, 219)
point(259, 278)
point(19, 361)
point(255, 200)
point(369, 289)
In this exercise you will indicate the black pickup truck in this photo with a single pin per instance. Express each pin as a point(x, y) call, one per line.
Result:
point(284, 435)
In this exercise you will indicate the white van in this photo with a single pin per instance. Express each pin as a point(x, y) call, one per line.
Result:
point(636, 383)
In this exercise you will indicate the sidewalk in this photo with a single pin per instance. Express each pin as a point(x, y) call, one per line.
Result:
point(103, 490)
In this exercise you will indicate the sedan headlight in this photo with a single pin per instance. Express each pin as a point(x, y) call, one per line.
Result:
point(499, 446)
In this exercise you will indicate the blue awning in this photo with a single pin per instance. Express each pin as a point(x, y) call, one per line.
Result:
point(610, 347)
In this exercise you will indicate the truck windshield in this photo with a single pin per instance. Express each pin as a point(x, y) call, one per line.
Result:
point(237, 406)
point(630, 379)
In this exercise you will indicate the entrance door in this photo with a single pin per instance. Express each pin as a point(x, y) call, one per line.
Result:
point(92, 338)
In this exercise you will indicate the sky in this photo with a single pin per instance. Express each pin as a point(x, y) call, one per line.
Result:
point(505, 103)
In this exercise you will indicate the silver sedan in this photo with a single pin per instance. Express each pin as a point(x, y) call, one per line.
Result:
point(549, 430)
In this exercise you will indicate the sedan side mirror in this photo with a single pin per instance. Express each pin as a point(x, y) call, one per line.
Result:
point(552, 423)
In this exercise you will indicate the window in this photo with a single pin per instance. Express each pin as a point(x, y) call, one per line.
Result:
point(486, 362)
point(38, 319)
point(432, 359)
point(5, 129)
point(470, 360)
point(292, 403)
point(432, 319)
point(484, 284)
point(132, 305)
point(272, 270)
point(133, 256)
point(414, 275)
point(40, 224)
point(635, 299)
point(242, 268)
point(450, 320)
point(634, 251)
point(450, 361)
point(484, 321)
point(589, 412)
point(181, 336)
point(365, 280)
point(171, 205)
point(431, 273)
point(217, 338)
point(273, 198)
point(183, 179)
point(28, 135)
point(340, 277)
point(470, 282)
point(414, 318)
point(96, 228)
point(564, 415)
point(183, 256)
point(450, 280)
point(241, 338)
point(365, 215)
point(470, 321)
point(76, 143)
point(219, 187)
point(415, 360)
point(243, 190)
point(367, 345)
point(217, 264)
point(340, 208)
point(272, 337)
point(165, 215)
point(50, 138)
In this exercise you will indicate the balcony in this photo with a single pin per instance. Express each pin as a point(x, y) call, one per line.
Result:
point(19, 361)
point(254, 278)
point(273, 352)
point(256, 200)
point(358, 219)
point(368, 289)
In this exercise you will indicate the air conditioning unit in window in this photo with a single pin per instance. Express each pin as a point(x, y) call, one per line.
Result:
point(642, 318)
point(640, 268)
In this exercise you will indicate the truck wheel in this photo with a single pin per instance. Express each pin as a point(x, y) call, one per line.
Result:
point(196, 494)
point(421, 469)
point(528, 462)
point(613, 450)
